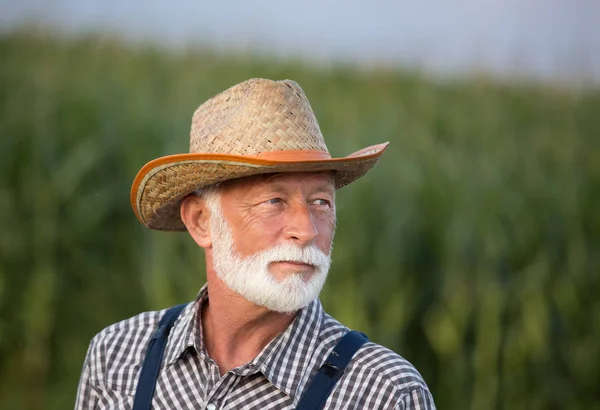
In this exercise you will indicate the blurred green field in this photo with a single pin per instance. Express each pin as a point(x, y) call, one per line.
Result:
point(472, 249)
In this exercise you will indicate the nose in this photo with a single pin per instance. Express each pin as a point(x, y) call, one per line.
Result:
point(300, 226)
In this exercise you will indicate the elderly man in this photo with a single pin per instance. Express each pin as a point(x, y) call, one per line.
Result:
point(257, 193)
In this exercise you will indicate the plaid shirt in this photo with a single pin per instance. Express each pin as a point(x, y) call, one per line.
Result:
point(376, 378)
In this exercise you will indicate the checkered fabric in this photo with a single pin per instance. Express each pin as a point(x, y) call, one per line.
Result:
point(376, 378)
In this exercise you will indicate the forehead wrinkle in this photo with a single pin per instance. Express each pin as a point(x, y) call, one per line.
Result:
point(326, 185)
point(275, 182)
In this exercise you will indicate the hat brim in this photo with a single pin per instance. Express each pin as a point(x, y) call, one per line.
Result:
point(161, 184)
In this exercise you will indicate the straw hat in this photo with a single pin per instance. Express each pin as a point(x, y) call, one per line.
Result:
point(255, 127)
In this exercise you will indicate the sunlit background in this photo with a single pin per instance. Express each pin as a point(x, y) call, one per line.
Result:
point(539, 38)
point(472, 249)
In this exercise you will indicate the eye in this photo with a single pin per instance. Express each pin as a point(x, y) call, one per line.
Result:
point(274, 201)
point(321, 202)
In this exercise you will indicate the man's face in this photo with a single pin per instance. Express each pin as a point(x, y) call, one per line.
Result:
point(272, 242)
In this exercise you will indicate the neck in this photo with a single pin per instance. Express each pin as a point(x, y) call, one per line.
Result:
point(236, 330)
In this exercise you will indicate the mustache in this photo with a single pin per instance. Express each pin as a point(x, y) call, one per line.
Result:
point(286, 252)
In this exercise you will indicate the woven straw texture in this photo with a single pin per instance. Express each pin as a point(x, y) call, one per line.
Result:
point(256, 116)
point(229, 134)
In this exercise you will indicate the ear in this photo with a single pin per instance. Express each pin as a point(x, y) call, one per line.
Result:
point(196, 218)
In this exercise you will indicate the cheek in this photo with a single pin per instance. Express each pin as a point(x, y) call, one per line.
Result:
point(258, 233)
point(326, 229)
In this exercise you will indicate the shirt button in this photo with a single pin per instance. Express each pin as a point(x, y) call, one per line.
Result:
point(211, 406)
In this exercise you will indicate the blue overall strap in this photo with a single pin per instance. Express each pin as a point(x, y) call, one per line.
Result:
point(153, 359)
point(320, 388)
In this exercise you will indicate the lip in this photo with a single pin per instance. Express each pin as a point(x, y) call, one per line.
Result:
point(294, 264)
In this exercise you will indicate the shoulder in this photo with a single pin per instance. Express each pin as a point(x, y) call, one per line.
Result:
point(128, 331)
point(374, 359)
point(386, 380)
point(122, 344)
point(380, 378)
point(385, 364)
point(391, 379)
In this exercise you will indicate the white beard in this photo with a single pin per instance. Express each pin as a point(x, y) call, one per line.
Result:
point(250, 276)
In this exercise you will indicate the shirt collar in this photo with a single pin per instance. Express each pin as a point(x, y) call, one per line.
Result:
point(292, 357)
point(187, 332)
point(293, 349)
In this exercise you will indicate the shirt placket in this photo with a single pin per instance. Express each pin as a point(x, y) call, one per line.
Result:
point(217, 397)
